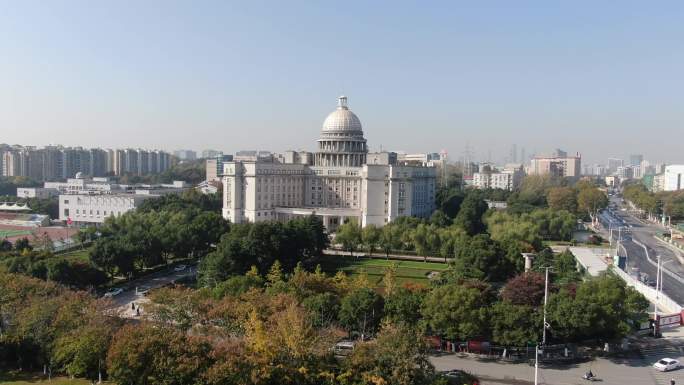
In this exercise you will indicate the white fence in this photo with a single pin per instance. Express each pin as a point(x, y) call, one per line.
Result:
point(664, 302)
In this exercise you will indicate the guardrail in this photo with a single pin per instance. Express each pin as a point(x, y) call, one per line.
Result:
point(650, 293)
point(655, 263)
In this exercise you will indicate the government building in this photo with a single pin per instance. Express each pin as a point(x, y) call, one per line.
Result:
point(341, 181)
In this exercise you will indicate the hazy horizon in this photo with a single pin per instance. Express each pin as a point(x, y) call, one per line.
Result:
point(585, 77)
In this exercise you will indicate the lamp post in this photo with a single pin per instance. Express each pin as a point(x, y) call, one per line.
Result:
point(536, 350)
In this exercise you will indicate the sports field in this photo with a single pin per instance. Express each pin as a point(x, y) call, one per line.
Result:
point(407, 271)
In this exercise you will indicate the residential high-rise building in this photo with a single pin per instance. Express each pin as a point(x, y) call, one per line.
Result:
point(52, 163)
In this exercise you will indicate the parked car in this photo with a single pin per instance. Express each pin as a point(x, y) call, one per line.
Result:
point(179, 268)
point(666, 364)
point(142, 290)
point(344, 348)
point(113, 292)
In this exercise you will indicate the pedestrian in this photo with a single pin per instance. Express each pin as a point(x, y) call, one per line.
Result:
point(672, 382)
point(137, 311)
point(132, 305)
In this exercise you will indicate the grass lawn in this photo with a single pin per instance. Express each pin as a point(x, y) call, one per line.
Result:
point(21, 378)
point(80, 254)
point(407, 271)
point(14, 233)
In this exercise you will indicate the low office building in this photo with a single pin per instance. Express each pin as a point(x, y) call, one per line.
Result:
point(509, 178)
point(80, 184)
point(36, 192)
point(340, 182)
point(92, 207)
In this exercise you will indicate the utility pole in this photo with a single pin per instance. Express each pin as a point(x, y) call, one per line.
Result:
point(536, 350)
point(655, 305)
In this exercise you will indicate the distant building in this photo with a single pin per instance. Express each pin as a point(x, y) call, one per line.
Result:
point(558, 164)
point(185, 154)
point(337, 183)
point(206, 154)
point(658, 183)
point(509, 178)
point(624, 172)
point(614, 163)
point(635, 159)
point(420, 159)
point(674, 177)
point(215, 167)
point(594, 170)
point(36, 192)
point(52, 163)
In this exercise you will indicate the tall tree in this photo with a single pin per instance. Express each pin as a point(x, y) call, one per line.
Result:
point(562, 198)
point(361, 311)
point(470, 214)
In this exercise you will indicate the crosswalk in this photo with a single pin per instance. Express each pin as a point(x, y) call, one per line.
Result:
point(655, 350)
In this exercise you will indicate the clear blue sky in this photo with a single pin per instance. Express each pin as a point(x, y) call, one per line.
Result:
point(601, 77)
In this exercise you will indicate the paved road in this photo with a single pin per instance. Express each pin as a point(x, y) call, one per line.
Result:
point(642, 249)
point(122, 302)
point(614, 371)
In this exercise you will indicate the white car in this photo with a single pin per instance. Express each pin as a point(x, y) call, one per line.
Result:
point(179, 268)
point(666, 364)
point(113, 292)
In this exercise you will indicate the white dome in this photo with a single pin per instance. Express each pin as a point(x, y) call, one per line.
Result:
point(342, 119)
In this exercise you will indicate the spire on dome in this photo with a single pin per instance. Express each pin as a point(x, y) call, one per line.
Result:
point(342, 103)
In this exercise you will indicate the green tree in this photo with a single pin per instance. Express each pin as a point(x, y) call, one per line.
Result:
point(323, 307)
point(149, 354)
point(361, 311)
point(403, 306)
point(349, 235)
point(591, 201)
point(370, 236)
point(514, 325)
point(470, 214)
point(399, 356)
point(602, 307)
point(456, 311)
point(562, 198)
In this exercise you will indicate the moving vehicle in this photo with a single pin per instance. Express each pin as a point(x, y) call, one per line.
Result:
point(179, 268)
point(666, 364)
point(113, 292)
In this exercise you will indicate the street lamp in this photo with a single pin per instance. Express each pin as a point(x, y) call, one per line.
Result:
point(544, 326)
